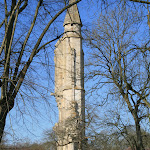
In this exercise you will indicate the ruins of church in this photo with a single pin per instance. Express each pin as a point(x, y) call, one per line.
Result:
point(69, 84)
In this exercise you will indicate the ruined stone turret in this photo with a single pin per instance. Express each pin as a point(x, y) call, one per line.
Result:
point(69, 83)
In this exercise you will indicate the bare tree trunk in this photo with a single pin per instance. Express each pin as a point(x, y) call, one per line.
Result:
point(139, 141)
point(3, 114)
point(6, 103)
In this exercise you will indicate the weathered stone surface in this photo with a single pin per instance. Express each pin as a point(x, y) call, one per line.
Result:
point(72, 15)
point(69, 83)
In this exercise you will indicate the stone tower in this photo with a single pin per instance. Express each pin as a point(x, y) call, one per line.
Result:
point(69, 83)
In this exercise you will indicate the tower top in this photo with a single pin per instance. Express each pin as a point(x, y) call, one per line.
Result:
point(72, 15)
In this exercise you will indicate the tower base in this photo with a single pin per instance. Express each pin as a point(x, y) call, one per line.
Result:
point(70, 146)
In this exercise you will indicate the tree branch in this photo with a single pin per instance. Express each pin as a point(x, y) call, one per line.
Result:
point(141, 97)
point(2, 23)
point(10, 44)
point(6, 32)
point(140, 1)
point(49, 42)
point(34, 52)
point(24, 6)
point(25, 41)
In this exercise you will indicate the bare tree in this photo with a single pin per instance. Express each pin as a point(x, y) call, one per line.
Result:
point(24, 32)
point(119, 61)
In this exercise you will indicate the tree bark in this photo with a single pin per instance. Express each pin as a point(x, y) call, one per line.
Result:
point(139, 141)
point(3, 114)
